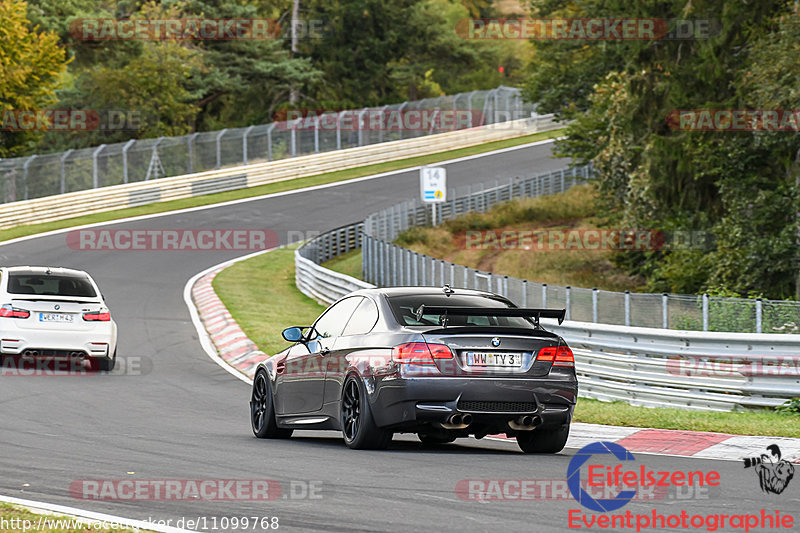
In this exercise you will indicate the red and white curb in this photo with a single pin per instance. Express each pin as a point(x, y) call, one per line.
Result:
point(696, 444)
point(234, 348)
point(231, 343)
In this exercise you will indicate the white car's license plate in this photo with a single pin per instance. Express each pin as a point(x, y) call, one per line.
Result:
point(494, 359)
point(55, 317)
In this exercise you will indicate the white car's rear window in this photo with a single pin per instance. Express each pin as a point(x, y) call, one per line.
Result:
point(50, 285)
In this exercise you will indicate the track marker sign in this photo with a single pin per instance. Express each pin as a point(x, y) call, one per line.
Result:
point(433, 187)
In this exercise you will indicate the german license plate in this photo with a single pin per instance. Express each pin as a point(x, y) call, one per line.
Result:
point(55, 317)
point(494, 359)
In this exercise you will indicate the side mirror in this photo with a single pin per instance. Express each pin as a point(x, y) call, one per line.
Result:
point(293, 334)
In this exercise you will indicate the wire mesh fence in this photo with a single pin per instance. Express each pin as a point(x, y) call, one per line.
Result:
point(304, 132)
point(387, 264)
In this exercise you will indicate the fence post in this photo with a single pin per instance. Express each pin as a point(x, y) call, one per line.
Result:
point(316, 134)
point(594, 305)
point(218, 140)
point(416, 268)
point(505, 286)
point(759, 315)
point(664, 308)
point(705, 311)
point(269, 140)
point(627, 308)
point(95, 172)
point(524, 293)
point(383, 123)
point(544, 294)
point(64, 170)
point(452, 275)
point(360, 127)
point(400, 113)
point(25, 175)
point(466, 277)
point(125, 160)
point(293, 136)
point(244, 143)
point(190, 151)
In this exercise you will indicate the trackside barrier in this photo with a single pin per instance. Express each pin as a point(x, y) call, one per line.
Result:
point(135, 194)
point(714, 371)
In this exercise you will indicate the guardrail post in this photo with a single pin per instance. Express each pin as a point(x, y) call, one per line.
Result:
point(469, 106)
point(400, 113)
point(269, 140)
point(505, 286)
point(627, 308)
point(95, 171)
point(594, 305)
point(490, 282)
point(63, 160)
point(423, 272)
point(125, 160)
point(416, 269)
point(524, 293)
point(544, 294)
point(664, 309)
point(244, 143)
point(364, 261)
point(759, 311)
point(568, 305)
point(705, 311)
point(466, 277)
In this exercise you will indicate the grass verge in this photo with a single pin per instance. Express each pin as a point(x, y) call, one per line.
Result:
point(310, 181)
point(261, 295)
point(24, 519)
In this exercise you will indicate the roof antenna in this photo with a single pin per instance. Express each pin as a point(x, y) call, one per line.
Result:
point(447, 290)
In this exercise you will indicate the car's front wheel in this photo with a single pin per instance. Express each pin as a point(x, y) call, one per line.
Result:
point(262, 410)
point(544, 440)
point(358, 427)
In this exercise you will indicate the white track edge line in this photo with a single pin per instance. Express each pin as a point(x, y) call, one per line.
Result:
point(88, 516)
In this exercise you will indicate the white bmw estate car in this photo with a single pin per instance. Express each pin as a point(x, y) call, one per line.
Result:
point(55, 312)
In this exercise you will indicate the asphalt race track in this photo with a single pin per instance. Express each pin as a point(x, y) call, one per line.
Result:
point(183, 417)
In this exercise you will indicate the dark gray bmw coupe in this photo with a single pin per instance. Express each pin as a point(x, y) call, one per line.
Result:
point(440, 363)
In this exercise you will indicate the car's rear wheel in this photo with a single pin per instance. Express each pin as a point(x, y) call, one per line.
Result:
point(105, 364)
point(543, 440)
point(358, 427)
point(432, 439)
point(262, 410)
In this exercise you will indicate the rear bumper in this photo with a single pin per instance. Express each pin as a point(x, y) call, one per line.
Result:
point(58, 343)
point(416, 403)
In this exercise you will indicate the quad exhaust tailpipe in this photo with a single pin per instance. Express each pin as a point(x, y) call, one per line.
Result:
point(525, 422)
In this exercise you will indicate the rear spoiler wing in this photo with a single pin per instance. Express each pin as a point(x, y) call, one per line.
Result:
point(522, 312)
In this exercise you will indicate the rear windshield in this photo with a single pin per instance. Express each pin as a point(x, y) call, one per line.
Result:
point(404, 309)
point(52, 285)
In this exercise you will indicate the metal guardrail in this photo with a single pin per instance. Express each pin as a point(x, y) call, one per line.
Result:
point(135, 194)
point(643, 366)
point(41, 175)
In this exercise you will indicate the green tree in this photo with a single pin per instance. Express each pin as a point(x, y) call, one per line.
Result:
point(31, 65)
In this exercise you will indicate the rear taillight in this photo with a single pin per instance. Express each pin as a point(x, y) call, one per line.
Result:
point(559, 355)
point(7, 311)
point(420, 353)
point(97, 316)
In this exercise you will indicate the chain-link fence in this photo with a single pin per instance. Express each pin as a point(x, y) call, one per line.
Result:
point(304, 132)
point(387, 264)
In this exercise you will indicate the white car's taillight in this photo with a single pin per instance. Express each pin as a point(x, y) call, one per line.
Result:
point(8, 311)
point(97, 316)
